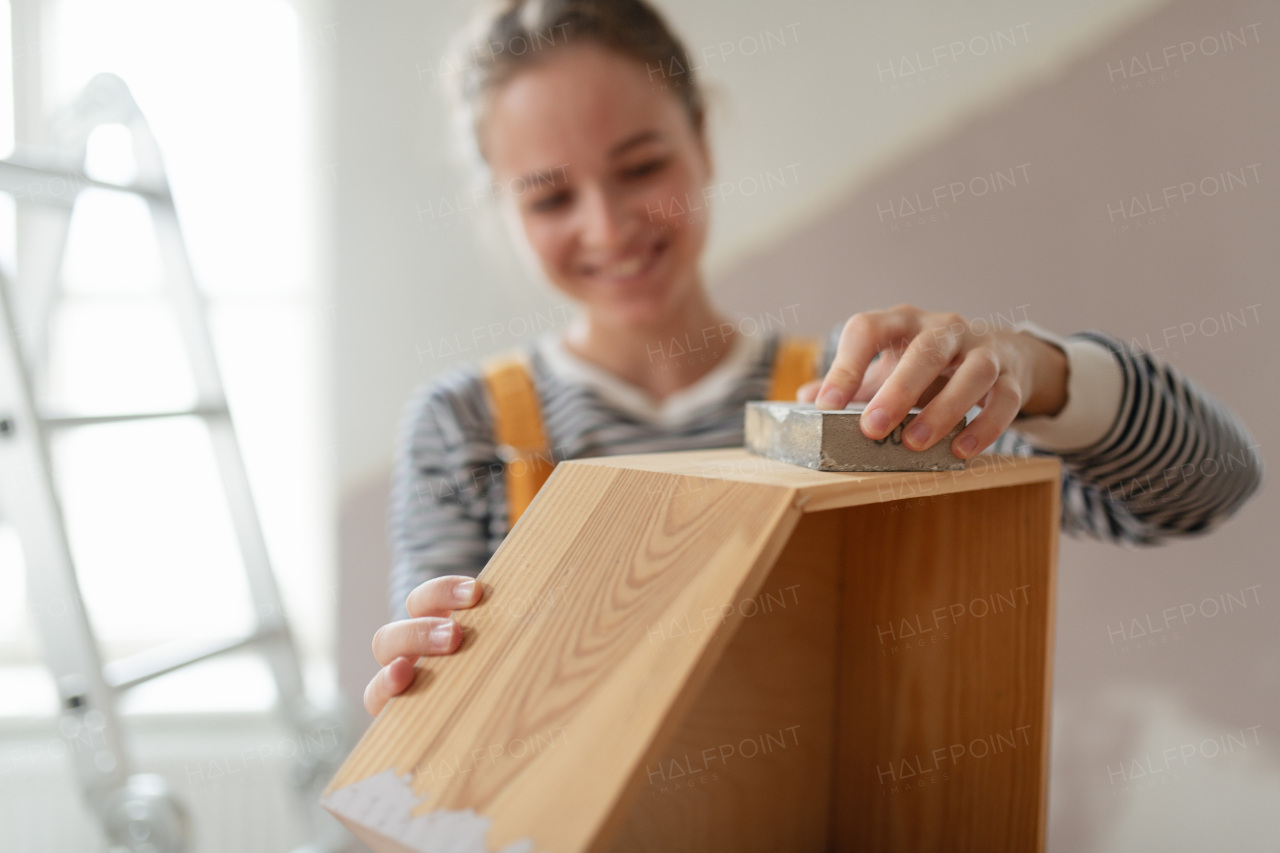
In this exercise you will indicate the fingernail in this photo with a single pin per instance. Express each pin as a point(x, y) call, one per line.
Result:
point(442, 635)
point(831, 399)
point(919, 432)
point(462, 592)
point(877, 421)
point(966, 444)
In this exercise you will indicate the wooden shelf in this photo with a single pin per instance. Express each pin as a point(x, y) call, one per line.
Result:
point(711, 651)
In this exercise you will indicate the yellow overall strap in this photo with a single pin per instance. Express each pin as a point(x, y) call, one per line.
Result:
point(517, 428)
point(794, 364)
point(517, 415)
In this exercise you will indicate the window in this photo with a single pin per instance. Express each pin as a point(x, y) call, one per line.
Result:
point(223, 87)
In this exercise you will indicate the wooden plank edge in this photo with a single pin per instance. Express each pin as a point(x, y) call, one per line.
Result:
point(824, 490)
point(1051, 613)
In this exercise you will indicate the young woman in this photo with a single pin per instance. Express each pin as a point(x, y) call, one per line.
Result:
point(576, 101)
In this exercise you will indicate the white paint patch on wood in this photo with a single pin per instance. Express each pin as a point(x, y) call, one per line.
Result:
point(385, 804)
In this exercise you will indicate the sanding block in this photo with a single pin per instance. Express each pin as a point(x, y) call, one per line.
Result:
point(832, 440)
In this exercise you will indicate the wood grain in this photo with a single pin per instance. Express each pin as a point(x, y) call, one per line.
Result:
point(607, 553)
point(944, 702)
point(750, 767)
point(573, 683)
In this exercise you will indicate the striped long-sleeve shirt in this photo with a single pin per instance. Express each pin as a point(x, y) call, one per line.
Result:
point(1147, 455)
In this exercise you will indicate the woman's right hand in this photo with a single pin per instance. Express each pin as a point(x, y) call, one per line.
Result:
point(430, 631)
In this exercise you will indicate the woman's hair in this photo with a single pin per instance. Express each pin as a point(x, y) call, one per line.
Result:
point(512, 35)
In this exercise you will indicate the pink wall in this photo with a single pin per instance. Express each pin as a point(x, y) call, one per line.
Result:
point(1051, 240)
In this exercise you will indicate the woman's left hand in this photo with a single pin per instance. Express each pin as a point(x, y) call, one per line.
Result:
point(937, 361)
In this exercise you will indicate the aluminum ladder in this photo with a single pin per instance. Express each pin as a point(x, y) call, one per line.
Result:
point(137, 811)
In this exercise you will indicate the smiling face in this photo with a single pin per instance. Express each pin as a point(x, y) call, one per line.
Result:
point(600, 167)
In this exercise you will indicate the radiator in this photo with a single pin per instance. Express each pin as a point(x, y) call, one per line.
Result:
point(228, 773)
